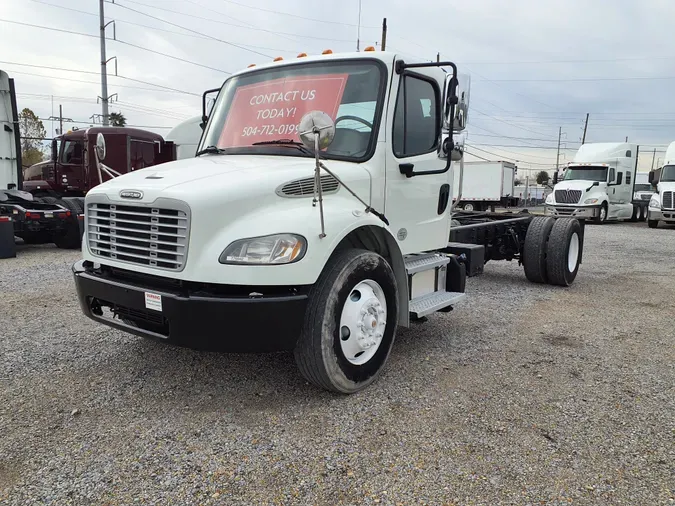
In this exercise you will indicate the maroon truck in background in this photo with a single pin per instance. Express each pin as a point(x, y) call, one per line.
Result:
point(61, 183)
point(72, 172)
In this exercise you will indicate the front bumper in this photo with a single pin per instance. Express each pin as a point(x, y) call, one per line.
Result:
point(573, 211)
point(661, 215)
point(190, 316)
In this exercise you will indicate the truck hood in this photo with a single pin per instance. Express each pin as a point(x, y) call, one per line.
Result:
point(666, 186)
point(579, 185)
point(226, 176)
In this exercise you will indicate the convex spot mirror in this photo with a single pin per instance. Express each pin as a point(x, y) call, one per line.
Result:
point(100, 147)
point(316, 122)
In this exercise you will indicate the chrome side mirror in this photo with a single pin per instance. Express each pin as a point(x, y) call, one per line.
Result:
point(463, 91)
point(313, 123)
point(100, 147)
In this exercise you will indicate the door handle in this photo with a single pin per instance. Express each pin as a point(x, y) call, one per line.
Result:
point(406, 169)
point(443, 198)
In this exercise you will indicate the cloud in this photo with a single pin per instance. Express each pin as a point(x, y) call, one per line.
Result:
point(528, 59)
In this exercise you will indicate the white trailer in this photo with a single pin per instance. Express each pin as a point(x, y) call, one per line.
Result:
point(486, 185)
point(599, 185)
point(662, 202)
point(10, 146)
point(316, 217)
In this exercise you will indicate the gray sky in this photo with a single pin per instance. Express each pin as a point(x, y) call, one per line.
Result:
point(535, 66)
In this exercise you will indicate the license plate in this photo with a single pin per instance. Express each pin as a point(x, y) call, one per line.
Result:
point(153, 301)
point(49, 215)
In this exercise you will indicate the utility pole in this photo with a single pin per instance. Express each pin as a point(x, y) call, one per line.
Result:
point(384, 34)
point(358, 30)
point(60, 119)
point(104, 72)
point(583, 140)
point(653, 158)
point(557, 157)
point(626, 138)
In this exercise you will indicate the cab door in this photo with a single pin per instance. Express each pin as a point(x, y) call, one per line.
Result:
point(417, 207)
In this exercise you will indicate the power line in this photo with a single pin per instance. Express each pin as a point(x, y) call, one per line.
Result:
point(580, 79)
point(297, 16)
point(125, 21)
point(274, 32)
point(59, 78)
point(507, 157)
point(506, 122)
point(130, 126)
point(171, 56)
point(90, 72)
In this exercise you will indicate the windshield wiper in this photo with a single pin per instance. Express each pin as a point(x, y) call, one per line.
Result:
point(285, 142)
point(214, 150)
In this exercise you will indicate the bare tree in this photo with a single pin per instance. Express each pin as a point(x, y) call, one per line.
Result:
point(33, 134)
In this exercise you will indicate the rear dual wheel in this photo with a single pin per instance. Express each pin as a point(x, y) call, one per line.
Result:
point(552, 250)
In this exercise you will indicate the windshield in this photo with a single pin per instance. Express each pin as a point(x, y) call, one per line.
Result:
point(642, 187)
point(268, 105)
point(668, 174)
point(586, 174)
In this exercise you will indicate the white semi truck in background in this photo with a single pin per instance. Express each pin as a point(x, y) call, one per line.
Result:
point(662, 202)
point(185, 137)
point(486, 185)
point(599, 185)
point(316, 217)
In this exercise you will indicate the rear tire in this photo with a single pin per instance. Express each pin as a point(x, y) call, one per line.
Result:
point(652, 223)
point(468, 207)
point(534, 250)
point(563, 252)
point(350, 322)
point(643, 214)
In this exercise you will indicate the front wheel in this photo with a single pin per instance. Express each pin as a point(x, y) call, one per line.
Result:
point(563, 252)
point(602, 215)
point(652, 223)
point(350, 322)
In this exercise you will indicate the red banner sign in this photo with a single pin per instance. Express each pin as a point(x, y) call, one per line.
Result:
point(273, 109)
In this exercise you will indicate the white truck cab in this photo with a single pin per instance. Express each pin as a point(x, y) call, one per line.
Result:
point(597, 184)
point(316, 217)
point(662, 202)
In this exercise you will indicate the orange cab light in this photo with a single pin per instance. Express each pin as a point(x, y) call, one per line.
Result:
point(302, 55)
point(369, 48)
point(278, 58)
point(251, 65)
point(328, 51)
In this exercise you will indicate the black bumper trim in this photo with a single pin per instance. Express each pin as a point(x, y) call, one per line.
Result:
point(217, 323)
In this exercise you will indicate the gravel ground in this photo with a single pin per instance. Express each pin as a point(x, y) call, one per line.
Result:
point(523, 395)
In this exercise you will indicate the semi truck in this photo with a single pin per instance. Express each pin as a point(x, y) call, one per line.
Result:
point(315, 218)
point(185, 137)
point(662, 201)
point(486, 185)
point(599, 185)
point(30, 217)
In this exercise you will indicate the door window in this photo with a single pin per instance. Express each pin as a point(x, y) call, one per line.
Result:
point(72, 152)
point(142, 154)
point(416, 117)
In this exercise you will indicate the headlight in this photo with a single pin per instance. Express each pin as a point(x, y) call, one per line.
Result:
point(549, 199)
point(654, 202)
point(268, 250)
point(591, 201)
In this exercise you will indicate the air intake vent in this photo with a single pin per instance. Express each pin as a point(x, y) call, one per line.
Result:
point(305, 187)
point(667, 202)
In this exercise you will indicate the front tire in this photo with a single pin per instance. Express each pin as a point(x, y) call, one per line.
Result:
point(563, 252)
point(601, 218)
point(350, 322)
point(652, 223)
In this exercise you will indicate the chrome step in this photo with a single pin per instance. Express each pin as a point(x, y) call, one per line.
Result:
point(433, 302)
point(424, 262)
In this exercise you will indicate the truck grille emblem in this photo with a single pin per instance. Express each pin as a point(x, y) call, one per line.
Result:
point(131, 194)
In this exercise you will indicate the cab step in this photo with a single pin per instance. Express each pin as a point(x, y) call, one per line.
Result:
point(433, 302)
point(427, 280)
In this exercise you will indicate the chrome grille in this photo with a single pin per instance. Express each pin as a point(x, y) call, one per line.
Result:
point(305, 187)
point(667, 202)
point(567, 196)
point(645, 197)
point(152, 236)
